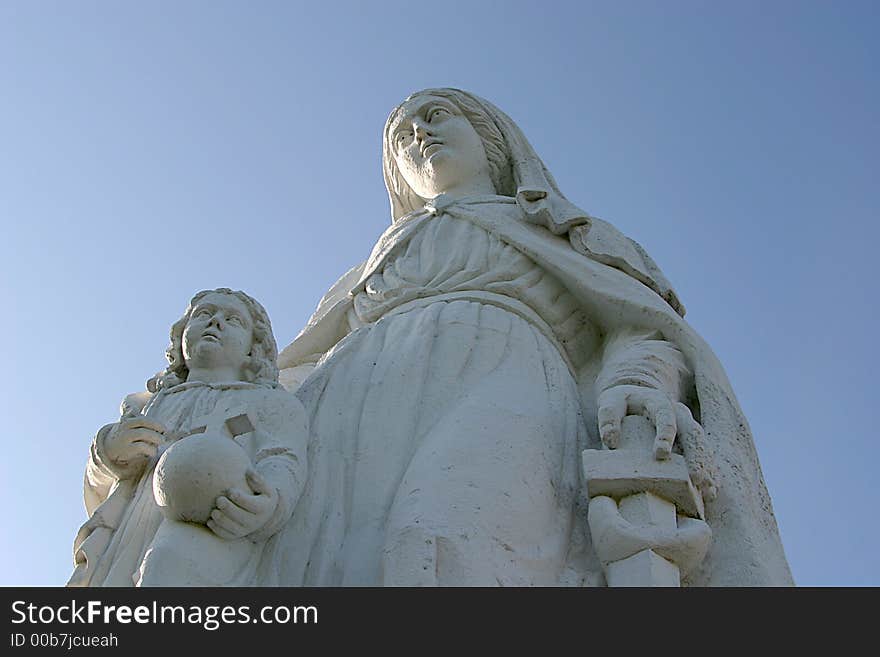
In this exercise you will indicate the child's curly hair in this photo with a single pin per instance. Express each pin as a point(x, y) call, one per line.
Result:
point(261, 368)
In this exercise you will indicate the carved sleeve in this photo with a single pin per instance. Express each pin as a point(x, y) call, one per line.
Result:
point(281, 459)
point(99, 477)
point(643, 358)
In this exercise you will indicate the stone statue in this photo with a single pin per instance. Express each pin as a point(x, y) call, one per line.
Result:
point(466, 385)
point(196, 481)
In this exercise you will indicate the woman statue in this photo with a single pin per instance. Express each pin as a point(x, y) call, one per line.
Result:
point(194, 484)
point(454, 378)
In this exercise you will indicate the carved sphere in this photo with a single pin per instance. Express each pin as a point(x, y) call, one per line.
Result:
point(194, 472)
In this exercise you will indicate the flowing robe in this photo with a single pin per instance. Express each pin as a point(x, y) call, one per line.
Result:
point(455, 388)
point(112, 546)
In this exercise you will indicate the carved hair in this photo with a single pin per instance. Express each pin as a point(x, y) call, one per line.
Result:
point(261, 367)
point(403, 198)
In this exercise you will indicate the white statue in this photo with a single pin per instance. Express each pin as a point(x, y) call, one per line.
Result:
point(454, 379)
point(194, 484)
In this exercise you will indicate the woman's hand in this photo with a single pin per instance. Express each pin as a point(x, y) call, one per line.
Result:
point(684, 542)
point(239, 513)
point(619, 401)
point(131, 445)
point(671, 420)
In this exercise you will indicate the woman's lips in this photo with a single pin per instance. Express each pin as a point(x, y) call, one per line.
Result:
point(430, 149)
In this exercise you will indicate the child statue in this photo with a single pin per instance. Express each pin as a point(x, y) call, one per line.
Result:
point(196, 481)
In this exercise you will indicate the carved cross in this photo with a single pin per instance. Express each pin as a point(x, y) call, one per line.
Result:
point(229, 421)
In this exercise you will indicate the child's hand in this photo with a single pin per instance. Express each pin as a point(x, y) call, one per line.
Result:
point(241, 513)
point(132, 444)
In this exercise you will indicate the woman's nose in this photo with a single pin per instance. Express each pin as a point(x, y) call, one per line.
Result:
point(420, 128)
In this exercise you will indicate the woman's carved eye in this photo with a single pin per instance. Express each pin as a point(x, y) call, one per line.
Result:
point(434, 113)
point(402, 138)
point(203, 313)
point(235, 319)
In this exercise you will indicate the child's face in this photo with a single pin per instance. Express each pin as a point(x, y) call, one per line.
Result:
point(219, 333)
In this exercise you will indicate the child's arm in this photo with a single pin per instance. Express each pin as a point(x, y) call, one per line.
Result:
point(284, 472)
point(99, 478)
point(126, 452)
point(277, 478)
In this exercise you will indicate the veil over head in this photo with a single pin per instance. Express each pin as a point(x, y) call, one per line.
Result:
point(534, 188)
point(535, 191)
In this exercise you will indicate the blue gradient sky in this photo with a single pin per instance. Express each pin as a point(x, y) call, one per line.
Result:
point(152, 149)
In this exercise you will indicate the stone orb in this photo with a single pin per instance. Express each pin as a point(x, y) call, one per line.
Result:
point(194, 472)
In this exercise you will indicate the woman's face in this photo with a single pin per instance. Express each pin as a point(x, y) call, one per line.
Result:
point(435, 147)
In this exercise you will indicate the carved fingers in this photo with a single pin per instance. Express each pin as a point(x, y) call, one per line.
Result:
point(619, 401)
point(670, 419)
point(612, 410)
point(132, 444)
point(142, 422)
point(224, 520)
point(614, 537)
point(695, 448)
point(258, 484)
point(240, 513)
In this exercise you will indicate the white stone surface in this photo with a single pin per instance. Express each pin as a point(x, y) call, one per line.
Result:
point(618, 473)
point(639, 510)
point(454, 378)
point(194, 471)
point(195, 484)
point(645, 568)
point(445, 391)
point(632, 468)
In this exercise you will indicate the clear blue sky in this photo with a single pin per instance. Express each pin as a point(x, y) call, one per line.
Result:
point(152, 149)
